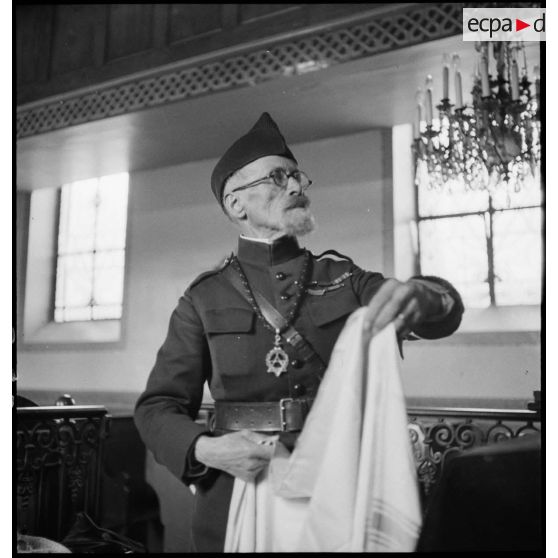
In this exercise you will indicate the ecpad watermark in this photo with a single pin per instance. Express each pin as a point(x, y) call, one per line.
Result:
point(504, 24)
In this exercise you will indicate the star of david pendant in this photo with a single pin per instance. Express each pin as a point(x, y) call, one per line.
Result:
point(277, 359)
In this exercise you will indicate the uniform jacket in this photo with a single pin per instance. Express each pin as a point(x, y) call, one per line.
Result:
point(215, 336)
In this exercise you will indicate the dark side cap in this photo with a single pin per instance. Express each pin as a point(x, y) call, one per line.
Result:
point(262, 140)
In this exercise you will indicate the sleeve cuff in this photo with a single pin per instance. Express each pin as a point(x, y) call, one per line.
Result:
point(441, 325)
point(194, 471)
point(447, 300)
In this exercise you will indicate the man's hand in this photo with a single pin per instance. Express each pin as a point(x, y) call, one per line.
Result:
point(242, 454)
point(406, 304)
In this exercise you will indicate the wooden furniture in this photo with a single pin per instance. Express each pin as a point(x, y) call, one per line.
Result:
point(129, 504)
point(439, 434)
point(60, 452)
point(488, 498)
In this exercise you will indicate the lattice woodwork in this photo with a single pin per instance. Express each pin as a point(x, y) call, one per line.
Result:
point(381, 33)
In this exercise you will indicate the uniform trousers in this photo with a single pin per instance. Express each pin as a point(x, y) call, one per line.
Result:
point(210, 514)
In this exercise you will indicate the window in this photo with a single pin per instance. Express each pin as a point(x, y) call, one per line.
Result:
point(488, 245)
point(91, 249)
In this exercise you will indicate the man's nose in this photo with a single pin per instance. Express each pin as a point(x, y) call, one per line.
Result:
point(294, 187)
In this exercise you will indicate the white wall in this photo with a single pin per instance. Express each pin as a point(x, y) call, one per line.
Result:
point(177, 231)
point(486, 369)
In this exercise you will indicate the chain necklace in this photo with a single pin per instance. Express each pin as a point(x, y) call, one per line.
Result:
point(276, 359)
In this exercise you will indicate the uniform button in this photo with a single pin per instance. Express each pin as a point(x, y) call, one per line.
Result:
point(296, 363)
point(280, 275)
point(299, 390)
point(285, 297)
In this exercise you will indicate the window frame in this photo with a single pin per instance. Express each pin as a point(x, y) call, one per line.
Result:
point(38, 329)
point(497, 325)
point(94, 252)
point(488, 215)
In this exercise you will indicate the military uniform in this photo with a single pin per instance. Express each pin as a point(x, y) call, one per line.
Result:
point(216, 337)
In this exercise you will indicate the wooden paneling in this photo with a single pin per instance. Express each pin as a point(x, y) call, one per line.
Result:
point(187, 21)
point(33, 38)
point(77, 42)
point(321, 13)
point(160, 25)
point(63, 47)
point(130, 29)
point(251, 12)
point(230, 16)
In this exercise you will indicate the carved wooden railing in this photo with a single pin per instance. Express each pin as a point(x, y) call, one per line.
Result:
point(440, 433)
point(59, 464)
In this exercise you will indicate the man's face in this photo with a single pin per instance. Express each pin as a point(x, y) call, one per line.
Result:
point(269, 210)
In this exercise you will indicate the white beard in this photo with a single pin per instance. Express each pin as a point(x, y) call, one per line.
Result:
point(298, 222)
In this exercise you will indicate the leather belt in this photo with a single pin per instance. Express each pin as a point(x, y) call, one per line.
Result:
point(285, 415)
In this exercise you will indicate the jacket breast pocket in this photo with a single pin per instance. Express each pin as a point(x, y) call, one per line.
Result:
point(229, 320)
point(332, 306)
point(230, 333)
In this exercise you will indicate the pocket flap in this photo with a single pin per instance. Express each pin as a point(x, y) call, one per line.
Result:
point(229, 320)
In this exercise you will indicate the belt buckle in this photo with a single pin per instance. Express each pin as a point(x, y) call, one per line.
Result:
point(282, 412)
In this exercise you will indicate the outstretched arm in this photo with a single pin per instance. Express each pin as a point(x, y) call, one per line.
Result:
point(427, 306)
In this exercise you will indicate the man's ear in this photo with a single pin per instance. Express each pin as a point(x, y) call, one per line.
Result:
point(234, 207)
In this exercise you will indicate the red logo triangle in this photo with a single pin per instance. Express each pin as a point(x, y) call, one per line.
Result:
point(519, 24)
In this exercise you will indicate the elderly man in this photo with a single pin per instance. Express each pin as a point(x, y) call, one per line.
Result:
point(260, 330)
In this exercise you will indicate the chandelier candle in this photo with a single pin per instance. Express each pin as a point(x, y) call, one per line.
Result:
point(419, 97)
point(514, 81)
point(456, 62)
point(416, 123)
point(485, 84)
point(458, 90)
point(429, 100)
point(445, 77)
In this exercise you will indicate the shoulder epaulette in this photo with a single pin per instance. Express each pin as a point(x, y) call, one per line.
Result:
point(336, 254)
point(219, 267)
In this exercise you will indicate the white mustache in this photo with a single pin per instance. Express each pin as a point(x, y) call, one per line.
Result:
point(299, 201)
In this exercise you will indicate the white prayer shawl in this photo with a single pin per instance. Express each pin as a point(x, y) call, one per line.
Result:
point(350, 484)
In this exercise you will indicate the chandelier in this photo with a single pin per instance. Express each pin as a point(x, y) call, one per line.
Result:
point(494, 142)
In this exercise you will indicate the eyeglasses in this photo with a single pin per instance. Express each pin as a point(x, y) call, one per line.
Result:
point(280, 178)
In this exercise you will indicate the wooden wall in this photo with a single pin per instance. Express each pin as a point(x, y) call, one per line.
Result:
point(64, 47)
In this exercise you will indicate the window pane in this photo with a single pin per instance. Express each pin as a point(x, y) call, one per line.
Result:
point(453, 199)
point(518, 256)
point(74, 279)
point(109, 277)
point(91, 245)
point(455, 249)
point(530, 194)
point(77, 217)
point(111, 212)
